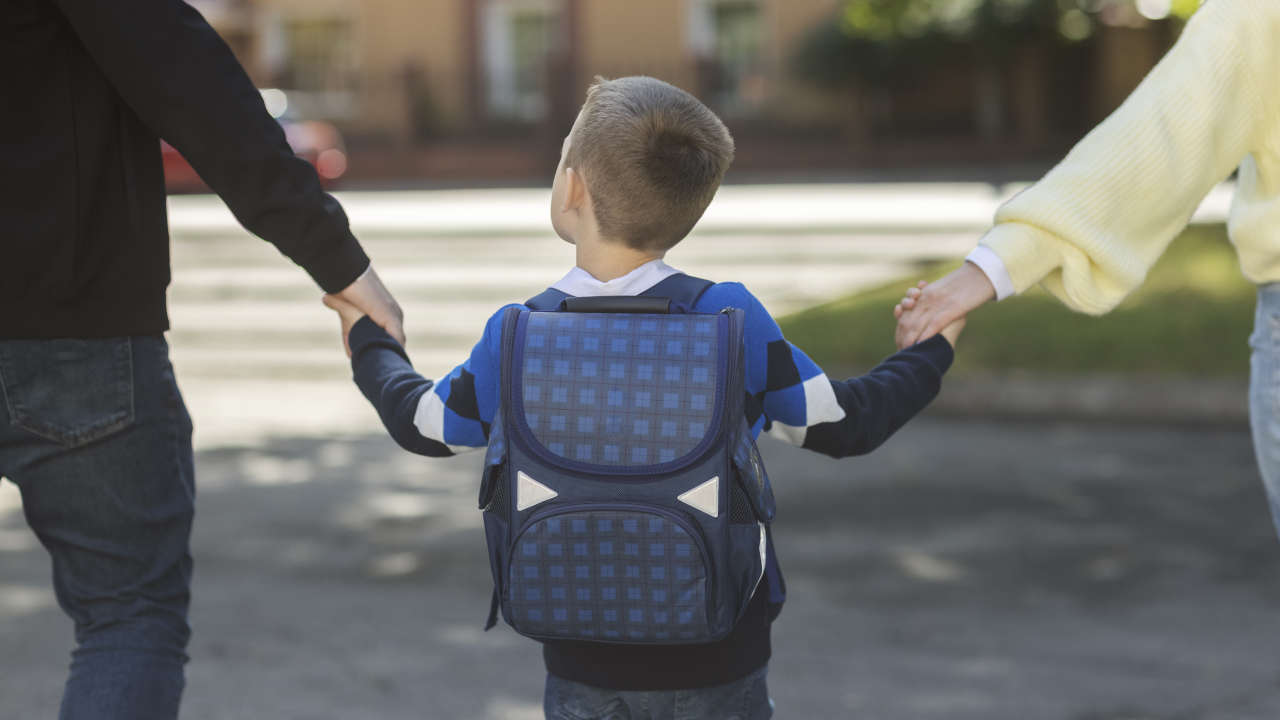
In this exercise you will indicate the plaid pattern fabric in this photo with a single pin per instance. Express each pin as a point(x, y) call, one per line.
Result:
point(608, 575)
point(617, 389)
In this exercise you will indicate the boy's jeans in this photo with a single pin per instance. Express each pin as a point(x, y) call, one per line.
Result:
point(745, 699)
point(98, 441)
point(1264, 392)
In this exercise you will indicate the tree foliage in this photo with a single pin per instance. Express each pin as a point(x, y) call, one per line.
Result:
point(880, 41)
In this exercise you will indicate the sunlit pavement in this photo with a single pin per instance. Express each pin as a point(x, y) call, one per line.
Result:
point(966, 570)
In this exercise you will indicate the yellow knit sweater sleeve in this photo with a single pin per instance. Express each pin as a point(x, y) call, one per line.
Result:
point(1094, 225)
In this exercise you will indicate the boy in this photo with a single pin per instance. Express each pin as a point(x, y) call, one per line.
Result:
point(640, 165)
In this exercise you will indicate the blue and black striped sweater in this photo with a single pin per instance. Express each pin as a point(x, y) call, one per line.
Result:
point(789, 397)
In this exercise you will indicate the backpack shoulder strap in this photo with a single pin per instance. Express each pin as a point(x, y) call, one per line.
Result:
point(546, 301)
point(683, 290)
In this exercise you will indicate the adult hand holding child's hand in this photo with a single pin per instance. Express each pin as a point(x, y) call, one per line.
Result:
point(372, 298)
point(348, 315)
point(905, 308)
point(930, 308)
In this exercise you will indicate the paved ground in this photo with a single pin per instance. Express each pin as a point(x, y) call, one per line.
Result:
point(966, 570)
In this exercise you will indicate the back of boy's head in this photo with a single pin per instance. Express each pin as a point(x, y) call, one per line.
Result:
point(652, 157)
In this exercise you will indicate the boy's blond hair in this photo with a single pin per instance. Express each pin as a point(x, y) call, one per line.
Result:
point(652, 157)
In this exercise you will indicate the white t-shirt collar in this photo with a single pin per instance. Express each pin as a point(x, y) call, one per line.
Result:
point(580, 283)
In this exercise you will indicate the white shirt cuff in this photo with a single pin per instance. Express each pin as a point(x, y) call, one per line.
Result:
point(993, 267)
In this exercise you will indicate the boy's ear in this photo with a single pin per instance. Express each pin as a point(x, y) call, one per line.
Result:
point(575, 190)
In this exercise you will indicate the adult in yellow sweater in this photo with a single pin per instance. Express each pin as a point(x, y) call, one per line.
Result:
point(1091, 229)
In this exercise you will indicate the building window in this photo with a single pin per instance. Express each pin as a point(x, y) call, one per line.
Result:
point(318, 55)
point(519, 37)
point(312, 59)
point(727, 35)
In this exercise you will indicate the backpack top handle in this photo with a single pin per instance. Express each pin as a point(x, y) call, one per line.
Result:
point(679, 292)
point(617, 304)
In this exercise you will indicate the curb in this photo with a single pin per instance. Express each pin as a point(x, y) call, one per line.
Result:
point(1114, 398)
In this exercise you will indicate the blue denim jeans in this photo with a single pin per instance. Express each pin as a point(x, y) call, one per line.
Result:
point(745, 699)
point(1264, 393)
point(98, 441)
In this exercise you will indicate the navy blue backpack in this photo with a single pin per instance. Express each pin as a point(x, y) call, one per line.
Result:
point(624, 499)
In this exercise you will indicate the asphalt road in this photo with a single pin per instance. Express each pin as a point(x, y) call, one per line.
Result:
point(966, 570)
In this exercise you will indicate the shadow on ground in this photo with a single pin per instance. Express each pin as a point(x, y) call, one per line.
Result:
point(966, 570)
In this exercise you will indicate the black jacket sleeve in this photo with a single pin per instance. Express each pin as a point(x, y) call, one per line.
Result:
point(182, 80)
point(877, 404)
point(388, 381)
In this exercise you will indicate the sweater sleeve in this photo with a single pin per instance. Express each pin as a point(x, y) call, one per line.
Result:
point(791, 398)
point(435, 418)
point(1096, 223)
point(181, 79)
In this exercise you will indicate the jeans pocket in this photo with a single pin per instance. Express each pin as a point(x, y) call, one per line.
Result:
point(743, 699)
point(69, 391)
point(567, 700)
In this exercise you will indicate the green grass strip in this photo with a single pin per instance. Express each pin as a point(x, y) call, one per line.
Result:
point(1192, 317)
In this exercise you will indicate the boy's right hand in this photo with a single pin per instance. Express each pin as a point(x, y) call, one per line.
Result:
point(374, 299)
point(348, 316)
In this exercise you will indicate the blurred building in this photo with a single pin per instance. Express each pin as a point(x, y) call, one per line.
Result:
point(486, 88)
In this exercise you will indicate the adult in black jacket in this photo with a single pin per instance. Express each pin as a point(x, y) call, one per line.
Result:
point(92, 428)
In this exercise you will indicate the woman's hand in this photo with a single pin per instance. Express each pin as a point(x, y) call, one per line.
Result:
point(929, 308)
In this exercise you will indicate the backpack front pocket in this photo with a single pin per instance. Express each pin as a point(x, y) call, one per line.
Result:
point(610, 573)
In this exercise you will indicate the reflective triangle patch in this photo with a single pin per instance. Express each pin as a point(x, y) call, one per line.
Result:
point(530, 492)
point(705, 497)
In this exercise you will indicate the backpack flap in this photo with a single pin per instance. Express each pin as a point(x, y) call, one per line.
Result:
point(616, 394)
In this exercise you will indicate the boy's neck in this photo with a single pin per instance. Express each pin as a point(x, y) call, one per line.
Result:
point(607, 261)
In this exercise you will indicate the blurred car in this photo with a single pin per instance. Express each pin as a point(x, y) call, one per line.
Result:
point(317, 142)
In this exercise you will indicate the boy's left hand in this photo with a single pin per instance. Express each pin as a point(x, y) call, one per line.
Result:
point(348, 315)
point(951, 332)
